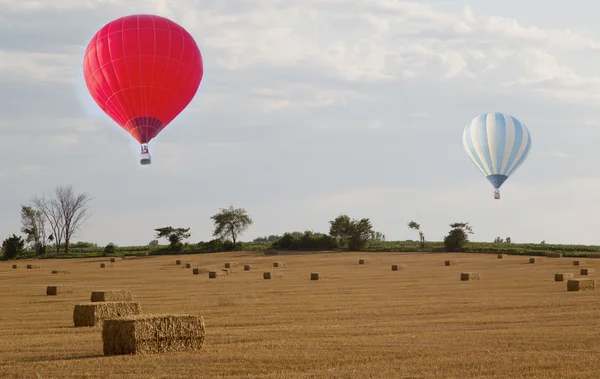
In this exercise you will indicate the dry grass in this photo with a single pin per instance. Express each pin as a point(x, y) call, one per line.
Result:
point(93, 314)
point(111, 295)
point(373, 323)
point(151, 334)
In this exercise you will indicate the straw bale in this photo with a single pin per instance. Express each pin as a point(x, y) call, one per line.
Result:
point(314, 276)
point(188, 265)
point(15, 267)
point(178, 262)
point(102, 265)
point(196, 271)
point(93, 313)
point(578, 263)
point(227, 265)
point(111, 295)
point(60, 272)
point(29, 267)
point(533, 260)
point(587, 271)
point(112, 260)
point(278, 264)
point(563, 276)
point(212, 275)
point(396, 267)
point(581, 285)
point(554, 255)
point(266, 275)
point(500, 256)
point(152, 334)
point(59, 290)
point(451, 263)
point(361, 261)
point(469, 276)
point(246, 267)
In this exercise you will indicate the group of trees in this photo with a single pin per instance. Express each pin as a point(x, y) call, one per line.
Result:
point(51, 219)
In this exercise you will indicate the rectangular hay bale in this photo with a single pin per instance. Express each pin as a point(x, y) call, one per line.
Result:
point(554, 255)
point(465, 276)
point(563, 276)
point(93, 314)
point(227, 265)
point(578, 263)
point(314, 276)
point(395, 267)
point(451, 263)
point(188, 265)
point(246, 267)
point(587, 271)
point(112, 260)
point(60, 272)
point(152, 334)
point(102, 265)
point(533, 260)
point(581, 285)
point(212, 275)
point(59, 290)
point(178, 262)
point(111, 295)
point(500, 256)
point(266, 275)
point(196, 271)
point(15, 267)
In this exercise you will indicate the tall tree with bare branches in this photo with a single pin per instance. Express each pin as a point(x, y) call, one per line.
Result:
point(51, 210)
point(74, 210)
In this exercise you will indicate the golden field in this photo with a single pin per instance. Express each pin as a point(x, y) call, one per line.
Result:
point(359, 321)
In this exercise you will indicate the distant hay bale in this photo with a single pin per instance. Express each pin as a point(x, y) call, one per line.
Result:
point(500, 256)
point(533, 260)
point(15, 267)
point(581, 285)
point(93, 314)
point(59, 290)
point(465, 276)
point(111, 295)
point(451, 263)
point(112, 260)
point(227, 265)
point(151, 334)
point(188, 265)
point(361, 261)
point(29, 267)
point(178, 262)
point(271, 252)
point(578, 263)
point(246, 267)
point(587, 271)
point(102, 265)
point(60, 272)
point(554, 255)
point(561, 277)
point(396, 267)
point(266, 275)
point(196, 271)
point(212, 275)
point(314, 276)
point(278, 264)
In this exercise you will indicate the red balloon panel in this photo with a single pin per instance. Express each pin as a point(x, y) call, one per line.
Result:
point(143, 70)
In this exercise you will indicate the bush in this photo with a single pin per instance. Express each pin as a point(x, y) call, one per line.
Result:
point(306, 241)
point(110, 249)
point(13, 246)
point(457, 238)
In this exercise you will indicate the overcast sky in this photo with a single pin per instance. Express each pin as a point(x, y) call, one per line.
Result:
point(313, 108)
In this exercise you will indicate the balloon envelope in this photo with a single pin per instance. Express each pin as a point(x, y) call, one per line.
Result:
point(497, 144)
point(142, 71)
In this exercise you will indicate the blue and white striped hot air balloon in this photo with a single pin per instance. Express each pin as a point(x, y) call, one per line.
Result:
point(497, 144)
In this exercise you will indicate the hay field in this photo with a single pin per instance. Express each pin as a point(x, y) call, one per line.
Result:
point(356, 321)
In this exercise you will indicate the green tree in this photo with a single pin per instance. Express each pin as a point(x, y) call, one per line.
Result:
point(415, 226)
point(174, 235)
point(110, 249)
point(458, 236)
point(12, 246)
point(339, 228)
point(230, 223)
point(356, 232)
point(33, 224)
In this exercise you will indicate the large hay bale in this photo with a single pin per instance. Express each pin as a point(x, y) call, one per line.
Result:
point(59, 290)
point(500, 256)
point(554, 255)
point(451, 263)
point(581, 285)
point(465, 276)
point(314, 276)
point(188, 265)
point(587, 271)
point(112, 295)
point(196, 271)
point(266, 275)
point(533, 260)
point(102, 265)
point(92, 314)
point(396, 267)
point(151, 334)
point(578, 263)
point(246, 267)
point(15, 267)
point(561, 277)
point(112, 260)
point(212, 275)
point(178, 262)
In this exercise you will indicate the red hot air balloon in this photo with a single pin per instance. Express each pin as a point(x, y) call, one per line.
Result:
point(143, 70)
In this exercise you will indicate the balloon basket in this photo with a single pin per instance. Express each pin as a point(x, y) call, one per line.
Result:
point(145, 158)
point(497, 195)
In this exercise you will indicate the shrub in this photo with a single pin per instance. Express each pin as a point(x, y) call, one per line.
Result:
point(13, 246)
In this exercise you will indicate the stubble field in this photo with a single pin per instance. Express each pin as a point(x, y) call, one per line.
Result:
point(360, 321)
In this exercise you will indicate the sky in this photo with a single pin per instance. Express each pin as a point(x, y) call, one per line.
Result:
point(311, 109)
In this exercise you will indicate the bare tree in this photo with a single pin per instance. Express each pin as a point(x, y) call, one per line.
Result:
point(52, 212)
point(74, 211)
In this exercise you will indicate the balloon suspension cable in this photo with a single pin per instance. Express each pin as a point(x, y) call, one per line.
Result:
point(145, 158)
point(497, 194)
